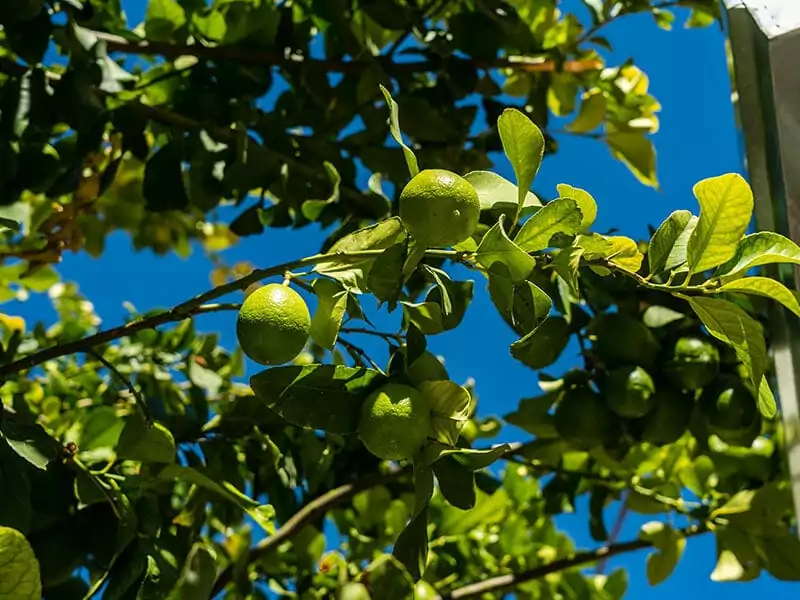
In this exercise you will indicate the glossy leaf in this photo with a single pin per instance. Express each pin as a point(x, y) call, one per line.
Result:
point(543, 345)
point(664, 239)
point(670, 545)
point(757, 249)
point(726, 207)
point(586, 203)
point(495, 247)
point(559, 216)
point(523, 144)
point(499, 194)
point(450, 404)
point(636, 151)
point(456, 482)
point(768, 288)
point(30, 441)
point(145, 443)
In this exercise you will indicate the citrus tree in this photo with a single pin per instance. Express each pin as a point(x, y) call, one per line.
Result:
point(146, 461)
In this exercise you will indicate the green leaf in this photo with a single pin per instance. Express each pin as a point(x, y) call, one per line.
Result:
point(145, 443)
point(664, 239)
point(726, 207)
point(423, 486)
point(670, 545)
point(586, 203)
point(163, 187)
point(636, 151)
point(127, 573)
point(782, 556)
point(30, 441)
point(498, 194)
point(15, 501)
point(99, 429)
point(731, 325)
point(198, 575)
point(411, 547)
point(592, 113)
point(677, 256)
point(19, 569)
point(456, 482)
point(625, 253)
point(450, 404)
point(353, 273)
point(533, 415)
point(389, 579)
point(204, 378)
point(488, 509)
point(523, 144)
point(766, 287)
point(261, 514)
point(559, 216)
point(163, 19)
point(394, 128)
point(523, 306)
point(495, 247)
point(656, 316)
point(544, 345)
point(385, 278)
point(425, 316)
point(326, 397)
point(454, 297)
point(312, 209)
point(331, 306)
point(728, 567)
point(566, 263)
point(757, 249)
point(739, 503)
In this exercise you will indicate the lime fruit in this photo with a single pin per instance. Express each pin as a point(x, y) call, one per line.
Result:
point(730, 411)
point(394, 421)
point(583, 419)
point(695, 363)
point(439, 208)
point(621, 340)
point(354, 591)
point(426, 367)
point(273, 324)
point(670, 417)
point(629, 392)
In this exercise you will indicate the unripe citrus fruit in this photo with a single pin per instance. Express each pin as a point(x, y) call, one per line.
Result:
point(425, 368)
point(670, 418)
point(629, 392)
point(622, 340)
point(394, 421)
point(354, 591)
point(730, 411)
point(273, 324)
point(439, 208)
point(583, 419)
point(694, 365)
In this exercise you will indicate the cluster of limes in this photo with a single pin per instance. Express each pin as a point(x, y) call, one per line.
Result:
point(653, 396)
point(438, 208)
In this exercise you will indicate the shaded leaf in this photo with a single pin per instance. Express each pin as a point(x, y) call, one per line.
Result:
point(385, 279)
point(326, 397)
point(544, 345)
point(411, 547)
point(145, 443)
point(425, 316)
point(30, 441)
point(456, 482)
point(198, 576)
point(19, 569)
point(450, 404)
point(163, 187)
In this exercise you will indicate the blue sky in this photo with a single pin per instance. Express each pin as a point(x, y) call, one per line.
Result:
point(697, 139)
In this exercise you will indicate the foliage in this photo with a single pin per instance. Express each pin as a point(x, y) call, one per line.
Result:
point(136, 463)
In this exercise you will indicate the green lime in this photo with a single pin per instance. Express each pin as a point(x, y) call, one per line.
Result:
point(623, 340)
point(439, 208)
point(273, 324)
point(425, 368)
point(730, 411)
point(354, 591)
point(424, 591)
point(583, 419)
point(670, 417)
point(394, 422)
point(695, 363)
point(629, 392)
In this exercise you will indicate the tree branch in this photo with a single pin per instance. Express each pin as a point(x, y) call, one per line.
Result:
point(188, 308)
point(140, 402)
point(116, 43)
point(512, 580)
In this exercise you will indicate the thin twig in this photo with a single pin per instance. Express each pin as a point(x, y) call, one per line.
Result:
point(189, 308)
point(512, 580)
point(140, 401)
point(431, 6)
point(381, 334)
point(357, 353)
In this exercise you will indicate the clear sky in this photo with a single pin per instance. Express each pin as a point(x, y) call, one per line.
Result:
point(697, 139)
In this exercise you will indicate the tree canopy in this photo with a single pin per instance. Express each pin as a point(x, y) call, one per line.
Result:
point(147, 461)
